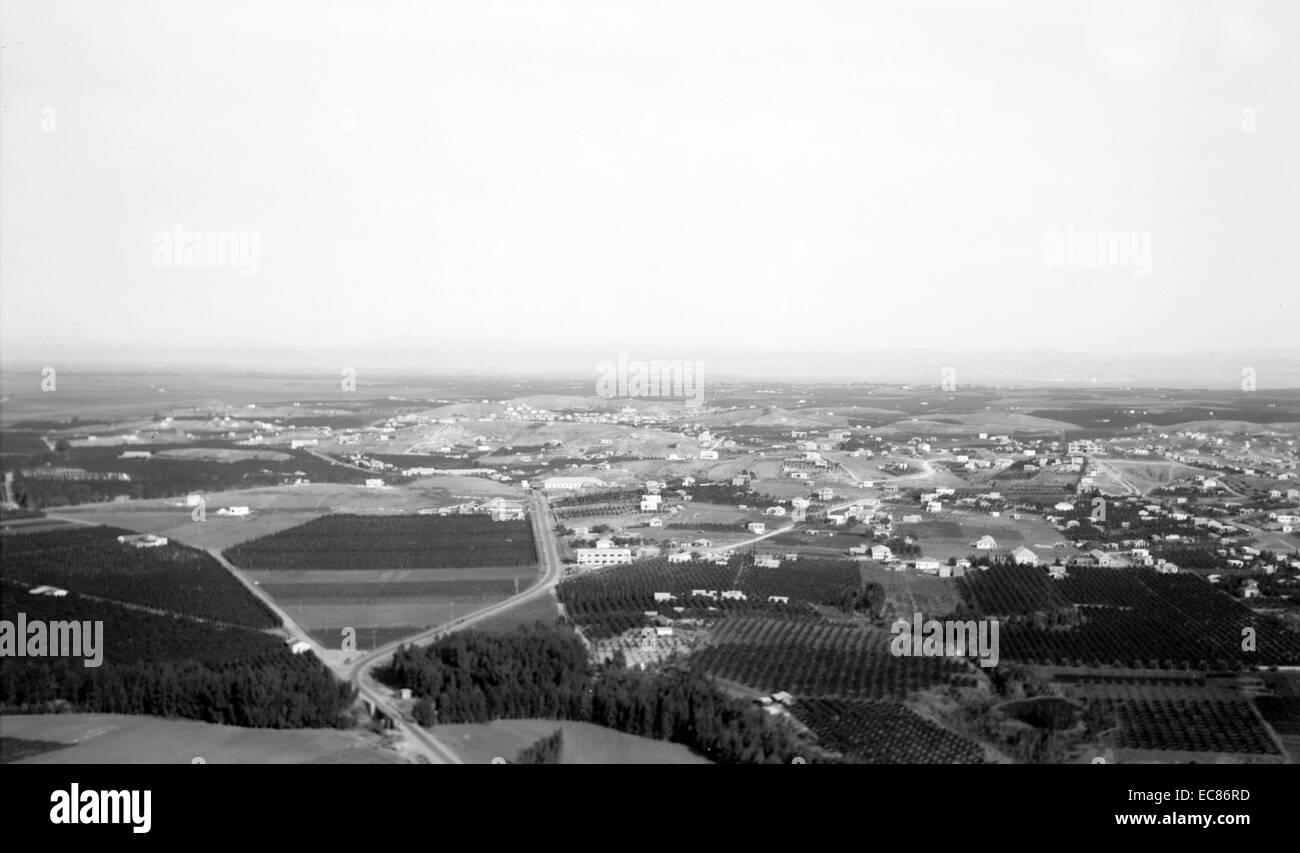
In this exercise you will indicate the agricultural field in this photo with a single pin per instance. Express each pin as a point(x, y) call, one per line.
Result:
point(457, 489)
point(950, 533)
point(615, 599)
point(864, 731)
point(174, 522)
point(123, 739)
point(583, 743)
point(387, 577)
point(1124, 618)
point(833, 546)
point(541, 609)
point(910, 592)
point(89, 561)
point(341, 542)
point(1282, 713)
point(273, 508)
point(1146, 475)
point(16, 445)
point(809, 657)
point(161, 664)
point(1155, 716)
point(1191, 725)
point(162, 477)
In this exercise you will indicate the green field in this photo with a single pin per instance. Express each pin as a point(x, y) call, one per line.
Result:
point(584, 743)
point(379, 593)
point(541, 609)
point(389, 577)
point(351, 542)
point(122, 739)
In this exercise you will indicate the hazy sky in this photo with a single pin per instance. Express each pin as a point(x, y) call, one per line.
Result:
point(803, 176)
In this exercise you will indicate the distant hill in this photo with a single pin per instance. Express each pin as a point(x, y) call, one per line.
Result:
point(992, 421)
point(1238, 427)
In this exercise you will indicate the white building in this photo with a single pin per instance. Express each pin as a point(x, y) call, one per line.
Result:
point(568, 483)
point(603, 556)
point(1024, 557)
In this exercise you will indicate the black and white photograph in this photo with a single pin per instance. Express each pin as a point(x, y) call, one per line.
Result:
point(894, 384)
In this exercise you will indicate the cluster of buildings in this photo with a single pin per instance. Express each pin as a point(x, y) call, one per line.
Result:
point(499, 509)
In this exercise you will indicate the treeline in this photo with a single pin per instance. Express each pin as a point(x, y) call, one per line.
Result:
point(545, 751)
point(160, 477)
point(472, 677)
point(518, 449)
point(587, 498)
point(724, 494)
point(168, 667)
point(427, 460)
point(902, 548)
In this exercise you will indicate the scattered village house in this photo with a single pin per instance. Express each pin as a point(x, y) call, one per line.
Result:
point(1024, 557)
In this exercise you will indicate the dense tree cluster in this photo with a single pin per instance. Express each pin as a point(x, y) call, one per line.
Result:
point(1134, 617)
point(810, 657)
point(543, 672)
point(173, 577)
point(867, 731)
point(169, 667)
point(616, 599)
point(601, 496)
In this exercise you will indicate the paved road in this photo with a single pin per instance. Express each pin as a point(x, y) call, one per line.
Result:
point(429, 746)
point(425, 744)
point(1104, 467)
point(381, 697)
point(296, 632)
point(720, 548)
